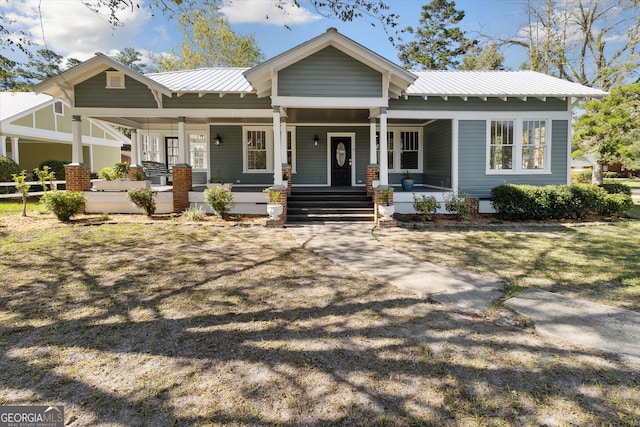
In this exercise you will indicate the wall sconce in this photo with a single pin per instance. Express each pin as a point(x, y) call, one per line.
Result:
point(218, 140)
point(316, 141)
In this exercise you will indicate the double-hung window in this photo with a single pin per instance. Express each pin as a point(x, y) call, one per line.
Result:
point(198, 150)
point(151, 147)
point(409, 150)
point(518, 146)
point(258, 149)
point(404, 149)
point(291, 148)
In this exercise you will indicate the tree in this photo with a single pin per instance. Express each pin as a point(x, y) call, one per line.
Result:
point(483, 58)
point(44, 65)
point(438, 42)
point(610, 129)
point(208, 41)
point(132, 59)
point(592, 42)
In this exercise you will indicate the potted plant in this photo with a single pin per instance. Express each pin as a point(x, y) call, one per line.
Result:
point(218, 181)
point(407, 181)
point(115, 179)
point(385, 207)
point(274, 209)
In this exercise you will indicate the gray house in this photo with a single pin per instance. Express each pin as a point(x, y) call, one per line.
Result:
point(336, 115)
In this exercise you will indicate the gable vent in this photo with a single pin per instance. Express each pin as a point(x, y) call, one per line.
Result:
point(115, 80)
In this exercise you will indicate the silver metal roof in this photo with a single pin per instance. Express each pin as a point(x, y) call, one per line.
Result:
point(217, 80)
point(496, 84)
point(484, 84)
point(15, 103)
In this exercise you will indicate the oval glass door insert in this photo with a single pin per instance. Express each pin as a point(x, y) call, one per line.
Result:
point(341, 154)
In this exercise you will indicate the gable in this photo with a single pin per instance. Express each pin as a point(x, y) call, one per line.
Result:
point(329, 73)
point(93, 92)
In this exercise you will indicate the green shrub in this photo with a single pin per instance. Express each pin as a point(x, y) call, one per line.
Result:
point(55, 166)
point(45, 174)
point(616, 204)
point(8, 168)
point(616, 188)
point(144, 198)
point(106, 173)
point(23, 187)
point(586, 199)
point(459, 205)
point(63, 204)
point(582, 177)
point(220, 200)
point(195, 213)
point(120, 170)
point(426, 205)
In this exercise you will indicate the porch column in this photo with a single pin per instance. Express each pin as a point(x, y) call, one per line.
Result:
point(183, 143)
point(283, 139)
point(454, 155)
point(135, 154)
point(3, 146)
point(277, 148)
point(14, 150)
point(372, 141)
point(77, 157)
point(384, 163)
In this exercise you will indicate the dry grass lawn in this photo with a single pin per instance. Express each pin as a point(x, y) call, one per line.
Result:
point(167, 323)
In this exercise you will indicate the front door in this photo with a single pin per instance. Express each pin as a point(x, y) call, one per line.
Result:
point(340, 161)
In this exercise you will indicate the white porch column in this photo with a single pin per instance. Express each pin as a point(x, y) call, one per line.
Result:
point(3, 146)
point(14, 149)
point(372, 141)
point(454, 155)
point(183, 142)
point(77, 157)
point(283, 138)
point(384, 163)
point(135, 154)
point(277, 148)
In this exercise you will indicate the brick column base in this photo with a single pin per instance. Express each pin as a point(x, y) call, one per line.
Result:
point(372, 173)
point(378, 200)
point(282, 199)
point(182, 183)
point(133, 171)
point(77, 177)
point(286, 171)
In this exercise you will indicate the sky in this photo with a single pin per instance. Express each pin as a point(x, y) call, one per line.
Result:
point(70, 29)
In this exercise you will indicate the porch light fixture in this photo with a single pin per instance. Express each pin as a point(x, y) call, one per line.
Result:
point(218, 140)
point(316, 141)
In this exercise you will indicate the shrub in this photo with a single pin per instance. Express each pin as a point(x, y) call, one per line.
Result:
point(120, 170)
point(106, 173)
point(144, 198)
point(219, 199)
point(8, 168)
point(426, 205)
point(63, 204)
point(616, 188)
point(586, 199)
point(55, 166)
point(459, 205)
point(616, 204)
point(45, 174)
point(23, 187)
point(195, 213)
point(582, 177)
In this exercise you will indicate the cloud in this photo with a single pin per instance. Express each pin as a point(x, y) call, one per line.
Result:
point(72, 30)
point(276, 12)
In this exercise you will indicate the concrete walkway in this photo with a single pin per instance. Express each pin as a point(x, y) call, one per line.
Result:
point(580, 322)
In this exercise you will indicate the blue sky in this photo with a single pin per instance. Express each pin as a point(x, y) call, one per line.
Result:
point(71, 30)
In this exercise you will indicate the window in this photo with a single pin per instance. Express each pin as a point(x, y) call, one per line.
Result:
point(258, 149)
point(390, 149)
point(518, 146)
point(115, 80)
point(410, 150)
point(151, 147)
point(198, 150)
point(58, 109)
point(291, 149)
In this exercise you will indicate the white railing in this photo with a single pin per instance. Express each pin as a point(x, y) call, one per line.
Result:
point(5, 185)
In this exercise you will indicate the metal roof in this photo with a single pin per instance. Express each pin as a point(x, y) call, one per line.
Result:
point(497, 84)
point(217, 80)
point(13, 104)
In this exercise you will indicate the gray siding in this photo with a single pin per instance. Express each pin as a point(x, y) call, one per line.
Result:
point(193, 100)
point(311, 163)
point(329, 73)
point(437, 153)
point(476, 104)
point(93, 93)
point(472, 153)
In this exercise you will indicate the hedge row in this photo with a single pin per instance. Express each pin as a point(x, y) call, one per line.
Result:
point(524, 202)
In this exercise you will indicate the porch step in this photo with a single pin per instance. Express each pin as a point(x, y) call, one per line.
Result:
point(329, 205)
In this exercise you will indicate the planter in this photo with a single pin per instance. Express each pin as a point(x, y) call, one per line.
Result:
point(386, 212)
point(375, 183)
point(274, 211)
point(407, 184)
point(217, 184)
point(120, 185)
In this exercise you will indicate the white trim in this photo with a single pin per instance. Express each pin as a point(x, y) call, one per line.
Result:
point(268, 130)
point(475, 115)
point(454, 154)
point(266, 113)
point(294, 144)
point(44, 136)
point(351, 135)
point(328, 102)
point(117, 77)
point(516, 159)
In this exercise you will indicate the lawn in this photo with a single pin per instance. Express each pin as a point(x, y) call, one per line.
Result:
point(635, 183)
point(167, 323)
point(10, 207)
